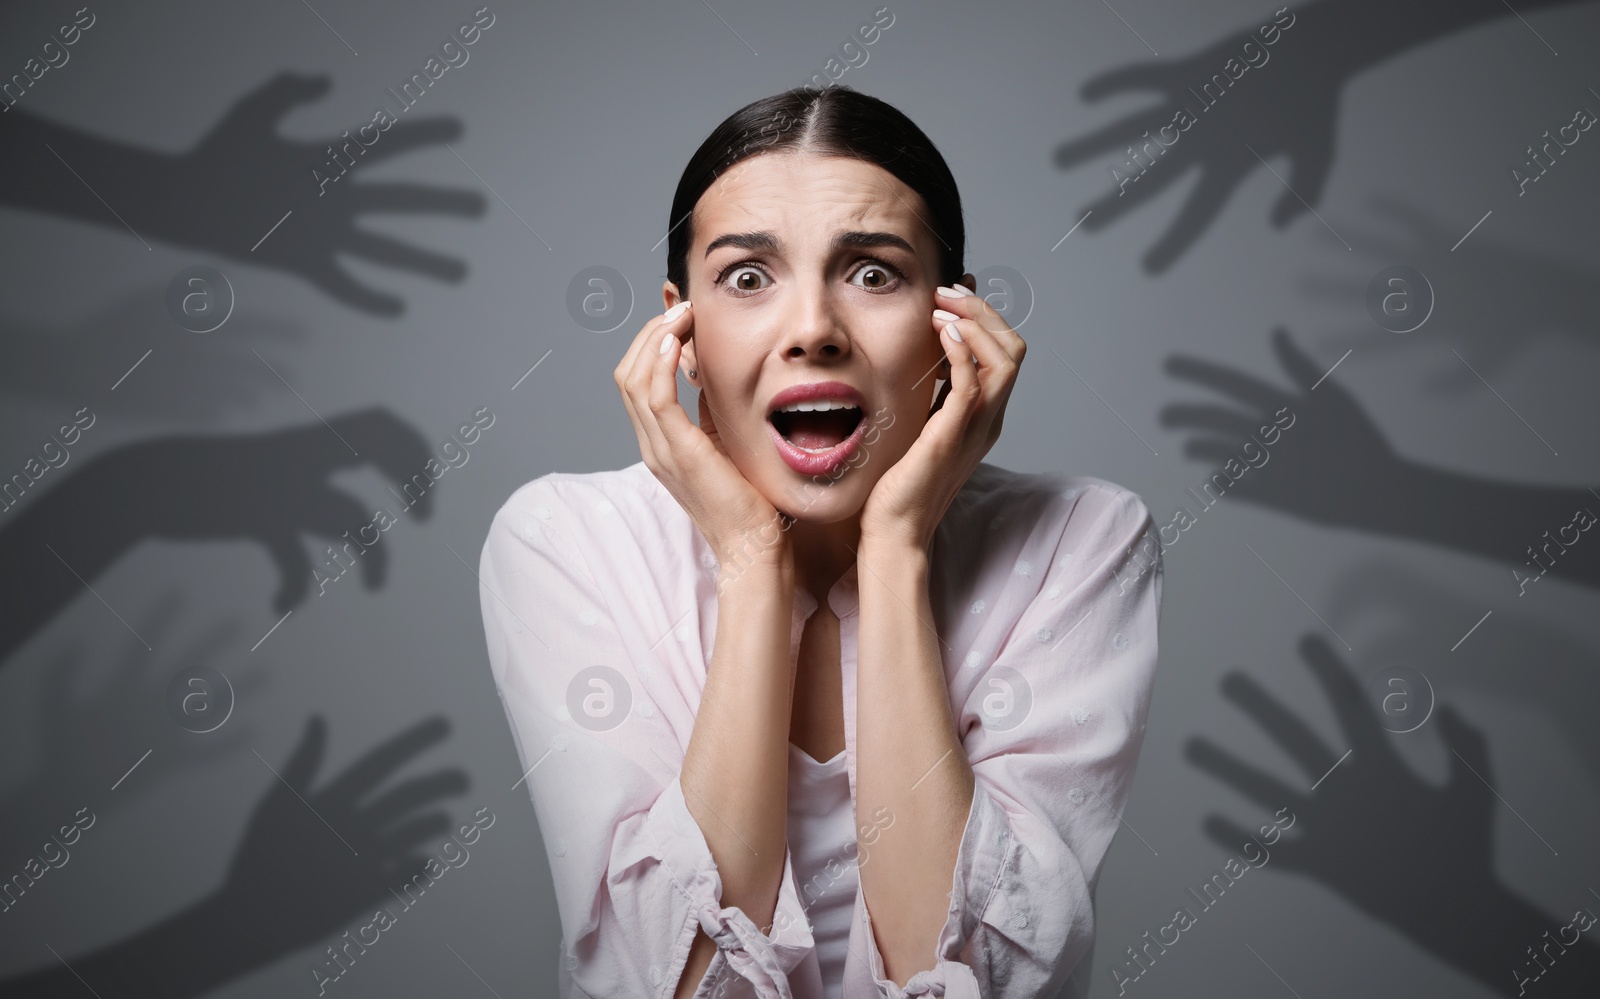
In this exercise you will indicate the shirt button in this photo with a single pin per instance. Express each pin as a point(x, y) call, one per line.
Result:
point(1019, 919)
point(655, 974)
point(571, 961)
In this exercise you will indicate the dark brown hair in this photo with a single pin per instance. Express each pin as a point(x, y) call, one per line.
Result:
point(835, 121)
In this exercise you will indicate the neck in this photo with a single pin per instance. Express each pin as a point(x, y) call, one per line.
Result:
point(823, 553)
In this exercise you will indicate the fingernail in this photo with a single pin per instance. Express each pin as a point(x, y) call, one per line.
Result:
point(955, 334)
point(944, 292)
point(675, 311)
point(943, 316)
point(963, 289)
point(666, 341)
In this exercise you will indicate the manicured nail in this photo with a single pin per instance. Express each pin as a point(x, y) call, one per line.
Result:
point(955, 334)
point(963, 289)
point(944, 292)
point(666, 342)
point(675, 311)
point(945, 317)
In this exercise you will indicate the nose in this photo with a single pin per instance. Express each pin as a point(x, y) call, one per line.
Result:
point(813, 328)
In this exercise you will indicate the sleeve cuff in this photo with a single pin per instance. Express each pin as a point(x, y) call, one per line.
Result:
point(765, 960)
point(987, 846)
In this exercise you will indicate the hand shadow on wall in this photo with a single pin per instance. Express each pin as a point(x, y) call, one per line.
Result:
point(1415, 857)
point(1272, 94)
point(227, 193)
point(87, 735)
point(191, 377)
point(1333, 466)
point(265, 487)
point(1558, 674)
point(1491, 299)
point(309, 861)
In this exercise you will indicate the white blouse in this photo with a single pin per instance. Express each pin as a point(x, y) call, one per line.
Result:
point(599, 604)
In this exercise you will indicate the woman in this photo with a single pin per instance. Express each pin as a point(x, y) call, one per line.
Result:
point(810, 701)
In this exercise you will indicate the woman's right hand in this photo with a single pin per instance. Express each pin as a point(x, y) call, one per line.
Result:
point(692, 461)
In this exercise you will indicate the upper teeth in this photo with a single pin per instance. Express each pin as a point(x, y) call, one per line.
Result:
point(820, 405)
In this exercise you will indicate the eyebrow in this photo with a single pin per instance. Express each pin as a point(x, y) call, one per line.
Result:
point(768, 242)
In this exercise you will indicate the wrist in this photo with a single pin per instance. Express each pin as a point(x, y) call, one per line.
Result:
point(891, 558)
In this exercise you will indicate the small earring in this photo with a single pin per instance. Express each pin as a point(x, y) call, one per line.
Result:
point(691, 372)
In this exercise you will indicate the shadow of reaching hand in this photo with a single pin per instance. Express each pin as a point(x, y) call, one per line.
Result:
point(319, 857)
point(245, 191)
point(1329, 454)
point(265, 487)
point(1333, 466)
point(311, 860)
point(1415, 857)
point(1223, 112)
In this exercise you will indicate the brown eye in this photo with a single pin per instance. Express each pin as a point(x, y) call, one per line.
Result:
point(876, 277)
point(745, 279)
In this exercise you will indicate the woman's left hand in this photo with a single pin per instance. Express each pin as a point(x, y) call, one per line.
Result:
point(906, 505)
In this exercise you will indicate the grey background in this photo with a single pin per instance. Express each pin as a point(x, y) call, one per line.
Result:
point(580, 118)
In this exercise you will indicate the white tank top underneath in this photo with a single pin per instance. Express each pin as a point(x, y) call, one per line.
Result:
point(822, 835)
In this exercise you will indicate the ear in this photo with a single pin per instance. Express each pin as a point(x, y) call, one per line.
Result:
point(687, 361)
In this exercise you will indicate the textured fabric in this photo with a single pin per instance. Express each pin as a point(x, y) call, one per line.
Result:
point(600, 605)
point(822, 843)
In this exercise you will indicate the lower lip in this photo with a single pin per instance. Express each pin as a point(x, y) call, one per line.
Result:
point(822, 462)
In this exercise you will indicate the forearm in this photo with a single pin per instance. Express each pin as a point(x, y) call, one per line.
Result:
point(37, 172)
point(53, 544)
point(1502, 939)
point(1498, 520)
point(125, 968)
point(1377, 31)
point(736, 770)
point(909, 763)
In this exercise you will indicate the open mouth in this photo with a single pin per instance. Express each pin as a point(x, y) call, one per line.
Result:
point(816, 427)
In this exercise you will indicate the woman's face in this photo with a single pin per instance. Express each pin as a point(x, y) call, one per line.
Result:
point(820, 270)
